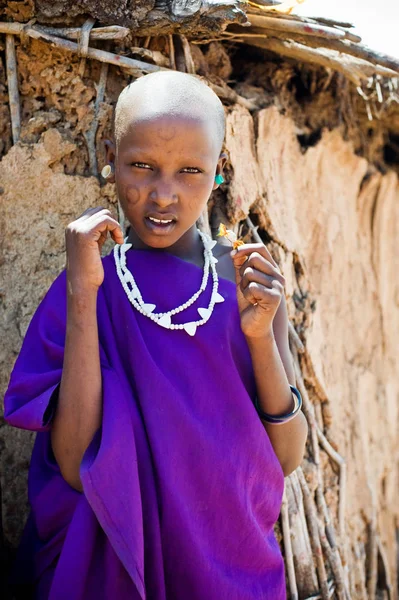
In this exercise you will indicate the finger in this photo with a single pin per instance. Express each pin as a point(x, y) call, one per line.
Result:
point(256, 276)
point(257, 262)
point(91, 211)
point(105, 224)
point(247, 249)
point(256, 293)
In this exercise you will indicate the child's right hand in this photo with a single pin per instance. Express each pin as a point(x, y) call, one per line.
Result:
point(84, 239)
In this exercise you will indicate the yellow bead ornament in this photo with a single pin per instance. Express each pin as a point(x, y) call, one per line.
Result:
point(230, 235)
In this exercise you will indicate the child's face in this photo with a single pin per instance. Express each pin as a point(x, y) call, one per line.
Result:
point(165, 169)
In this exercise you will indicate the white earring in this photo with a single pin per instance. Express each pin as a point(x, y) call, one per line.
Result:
point(106, 171)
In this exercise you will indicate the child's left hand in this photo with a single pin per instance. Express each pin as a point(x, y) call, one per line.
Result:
point(260, 287)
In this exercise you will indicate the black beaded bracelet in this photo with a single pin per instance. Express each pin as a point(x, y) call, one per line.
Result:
point(279, 419)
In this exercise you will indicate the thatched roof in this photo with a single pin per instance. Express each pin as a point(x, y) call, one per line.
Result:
point(266, 24)
point(143, 36)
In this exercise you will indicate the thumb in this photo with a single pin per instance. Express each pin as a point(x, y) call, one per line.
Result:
point(238, 260)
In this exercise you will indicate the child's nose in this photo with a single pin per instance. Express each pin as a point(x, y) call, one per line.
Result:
point(163, 194)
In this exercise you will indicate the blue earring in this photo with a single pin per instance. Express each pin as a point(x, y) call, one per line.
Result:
point(219, 179)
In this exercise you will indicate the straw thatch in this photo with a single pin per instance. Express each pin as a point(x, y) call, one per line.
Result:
point(313, 86)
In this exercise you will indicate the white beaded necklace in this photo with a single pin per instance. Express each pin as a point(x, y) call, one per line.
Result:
point(164, 319)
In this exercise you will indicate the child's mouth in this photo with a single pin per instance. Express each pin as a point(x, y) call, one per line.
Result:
point(159, 225)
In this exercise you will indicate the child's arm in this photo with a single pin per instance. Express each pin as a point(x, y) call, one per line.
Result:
point(79, 407)
point(264, 322)
point(274, 372)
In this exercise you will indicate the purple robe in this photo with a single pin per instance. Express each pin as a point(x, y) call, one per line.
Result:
point(181, 484)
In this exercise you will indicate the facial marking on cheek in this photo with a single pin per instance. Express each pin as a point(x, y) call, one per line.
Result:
point(166, 133)
point(132, 194)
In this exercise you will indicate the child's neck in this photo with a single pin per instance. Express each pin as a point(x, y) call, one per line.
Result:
point(189, 247)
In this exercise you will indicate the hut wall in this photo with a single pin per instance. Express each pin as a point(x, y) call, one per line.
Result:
point(332, 222)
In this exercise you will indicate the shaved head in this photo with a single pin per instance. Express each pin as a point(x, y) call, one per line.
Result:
point(173, 94)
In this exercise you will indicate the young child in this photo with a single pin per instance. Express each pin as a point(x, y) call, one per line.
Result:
point(159, 381)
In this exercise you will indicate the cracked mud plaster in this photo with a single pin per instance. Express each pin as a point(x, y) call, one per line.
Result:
point(34, 214)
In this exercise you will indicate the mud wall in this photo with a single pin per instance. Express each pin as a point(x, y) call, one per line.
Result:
point(328, 215)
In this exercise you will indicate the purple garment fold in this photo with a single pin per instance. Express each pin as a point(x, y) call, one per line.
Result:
point(182, 487)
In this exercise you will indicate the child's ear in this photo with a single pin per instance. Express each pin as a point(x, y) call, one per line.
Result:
point(220, 166)
point(222, 161)
point(110, 158)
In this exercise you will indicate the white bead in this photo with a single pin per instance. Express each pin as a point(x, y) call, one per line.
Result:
point(190, 328)
point(164, 321)
point(218, 298)
point(205, 313)
point(148, 308)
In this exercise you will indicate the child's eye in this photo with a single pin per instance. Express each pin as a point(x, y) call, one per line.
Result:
point(141, 165)
point(145, 165)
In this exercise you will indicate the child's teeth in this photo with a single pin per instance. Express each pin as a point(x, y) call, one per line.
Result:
point(159, 220)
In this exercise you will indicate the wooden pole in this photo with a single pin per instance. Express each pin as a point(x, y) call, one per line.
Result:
point(289, 26)
point(289, 558)
point(90, 135)
point(13, 94)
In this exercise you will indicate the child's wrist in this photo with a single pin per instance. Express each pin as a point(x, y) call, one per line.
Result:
point(263, 339)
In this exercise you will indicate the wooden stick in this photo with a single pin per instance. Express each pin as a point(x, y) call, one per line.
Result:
point(351, 36)
point(147, 41)
point(294, 338)
point(311, 517)
point(385, 65)
point(342, 585)
point(305, 568)
point(317, 435)
point(382, 64)
point(159, 59)
point(370, 67)
point(190, 67)
point(112, 32)
point(228, 94)
point(289, 558)
point(290, 26)
point(12, 82)
point(333, 23)
point(361, 575)
point(83, 43)
point(337, 458)
point(254, 230)
point(90, 135)
point(385, 566)
point(331, 591)
point(303, 54)
point(372, 567)
point(336, 564)
point(172, 60)
point(132, 66)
